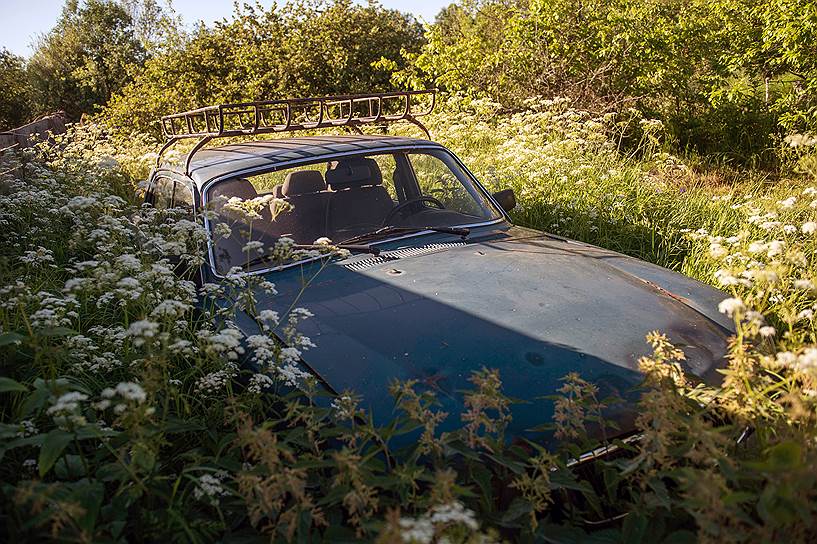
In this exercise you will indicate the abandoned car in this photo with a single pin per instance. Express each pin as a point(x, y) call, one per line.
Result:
point(438, 281)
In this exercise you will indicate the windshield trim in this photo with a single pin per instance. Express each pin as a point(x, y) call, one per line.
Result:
point(503, 216)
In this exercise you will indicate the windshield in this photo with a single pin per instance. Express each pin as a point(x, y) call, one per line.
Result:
point(338, 200)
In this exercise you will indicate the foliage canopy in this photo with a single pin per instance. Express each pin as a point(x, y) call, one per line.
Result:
point(300, 49)
point(86, 58)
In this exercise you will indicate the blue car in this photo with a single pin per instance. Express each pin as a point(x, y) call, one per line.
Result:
point(438, 281)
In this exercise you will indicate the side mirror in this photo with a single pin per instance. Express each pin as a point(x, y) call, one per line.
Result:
point(506, 198)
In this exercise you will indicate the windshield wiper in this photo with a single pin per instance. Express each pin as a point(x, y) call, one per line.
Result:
point(360, 248)
point(459, 231)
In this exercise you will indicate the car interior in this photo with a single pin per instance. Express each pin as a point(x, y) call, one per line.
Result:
point(349, 198)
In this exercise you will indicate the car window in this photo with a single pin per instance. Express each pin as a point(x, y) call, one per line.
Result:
point(347, 197)
point(439, 177)
point(163, 193)
point(183, 197)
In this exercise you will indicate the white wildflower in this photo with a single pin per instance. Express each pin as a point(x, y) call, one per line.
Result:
point(786, 359)
point(27, 428)
point(209, 488)
point(170, 308)
point(416, 531)
point(343, 406)
point(757, 247)
point(215, 381)
point(65, 410)
point(717, 251)
point(732, 307)
point(39, 256)
point(454, 513)
point(725, 278)
point(808, 360)
point(787, 203)
point(142, 330)
point(253, 246)
point(131, 391)
point(775, 248)
point(222, 230)
point(767, 331)
point(805, 285)
point(801, 140)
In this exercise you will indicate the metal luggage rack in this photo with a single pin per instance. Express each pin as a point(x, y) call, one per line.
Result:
point(276, 116)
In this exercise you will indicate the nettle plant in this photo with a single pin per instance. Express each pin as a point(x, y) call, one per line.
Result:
point(132, 408)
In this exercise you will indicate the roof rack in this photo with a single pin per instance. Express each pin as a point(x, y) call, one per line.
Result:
point(274, 116)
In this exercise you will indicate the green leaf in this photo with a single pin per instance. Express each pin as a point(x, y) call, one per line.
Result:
point(634, 528)
point(57, 331)
point(681, 537)
point(785, 456)
point(518, 508)
point(91, 431)
point(564, 479)
point(7, 385)
point(52, 448)
point(176, 425)
point(90, 496)
point(10, 338)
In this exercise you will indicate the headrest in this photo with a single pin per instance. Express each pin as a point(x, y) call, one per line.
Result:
point(240, 187)
point(354, 173)
point(304, 181)
point(277, 191)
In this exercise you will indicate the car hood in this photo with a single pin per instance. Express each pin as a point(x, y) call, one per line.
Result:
point(534, 306)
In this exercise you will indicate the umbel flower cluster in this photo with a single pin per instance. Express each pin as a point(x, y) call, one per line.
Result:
point(134, 407)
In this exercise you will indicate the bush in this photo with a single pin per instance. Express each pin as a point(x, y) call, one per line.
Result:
point(86, 58)
point(301, 49)
point(725, 77)
point(15, 109)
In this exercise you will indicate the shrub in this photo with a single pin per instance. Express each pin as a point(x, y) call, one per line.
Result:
point(300, 49)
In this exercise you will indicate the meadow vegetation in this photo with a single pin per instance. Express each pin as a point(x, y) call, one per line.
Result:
point(126, 412)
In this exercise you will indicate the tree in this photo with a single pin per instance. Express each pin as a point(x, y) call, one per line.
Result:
point(304, 48)
point(88, 56)
point(15, 107)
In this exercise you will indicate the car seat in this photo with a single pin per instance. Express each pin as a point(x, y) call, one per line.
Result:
point(359, 202)
point(305, 190)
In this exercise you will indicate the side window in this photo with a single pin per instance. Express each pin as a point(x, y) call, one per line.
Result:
point(183, 198)
point(162, 193)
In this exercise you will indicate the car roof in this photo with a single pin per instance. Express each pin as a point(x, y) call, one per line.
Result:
point(214, 162)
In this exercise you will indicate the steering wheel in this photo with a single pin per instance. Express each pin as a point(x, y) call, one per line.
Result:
point(403, 205)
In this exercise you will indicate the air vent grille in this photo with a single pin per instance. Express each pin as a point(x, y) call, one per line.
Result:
point(397, 254)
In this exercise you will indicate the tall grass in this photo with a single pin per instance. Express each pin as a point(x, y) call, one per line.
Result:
point(125, 414)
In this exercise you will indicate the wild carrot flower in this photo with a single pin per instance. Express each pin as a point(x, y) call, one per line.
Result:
point(141, 331)
point(767, 331)
point(805, 285)
point(732, 307)
point(210, 488)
